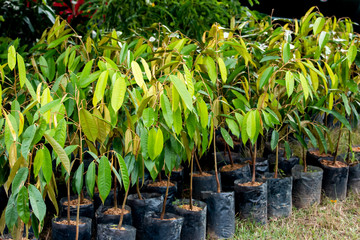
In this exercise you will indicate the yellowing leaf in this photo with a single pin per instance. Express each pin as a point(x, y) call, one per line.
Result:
point(138, 75)
point(100, 87)
point(118, 93)
point(304, 86)
point(11, 57)
point(223, 70)
point(147, 69)
point(22, 70)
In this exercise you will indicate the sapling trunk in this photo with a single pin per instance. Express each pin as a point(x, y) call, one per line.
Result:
point(77, 218)
point(254, 163)
point(123, 209)
point(215, 162)
point(304, 159)
point(165, 198)
point(191, 179)
point(138, 191)
point(349, 146)
point(68, 198)
point(337, 147)
point(115, 187)
point(230, 157)
point(276, 161)
point(198, 164)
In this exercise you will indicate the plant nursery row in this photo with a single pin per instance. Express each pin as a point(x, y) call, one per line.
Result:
point(160, 136)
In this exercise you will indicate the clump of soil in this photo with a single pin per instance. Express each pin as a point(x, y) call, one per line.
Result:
point(356, 149)
point(330, 163)
point(229, 167)
point(75, 202)
point(204, 174)
point(65, 222)
point(251, 184)
point(160, 184)
point(115, 211)
point(166, 219)
point(317, 153)
point(187, 207)
point(178, 169)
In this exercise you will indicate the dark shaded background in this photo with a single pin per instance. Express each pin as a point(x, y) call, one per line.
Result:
point(297, 8)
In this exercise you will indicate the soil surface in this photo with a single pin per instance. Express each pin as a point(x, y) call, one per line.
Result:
point(187, 207)
point(330, 163)
point(356, 149)
point(166, 219)
point(229, 168)
point(161, 184)
point(117, 211)
point(204, 174)
point(75, 201)
point(251, 184)
point(65, 222)
point(317, 153)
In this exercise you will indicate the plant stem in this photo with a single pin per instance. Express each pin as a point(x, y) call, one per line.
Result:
point(191, 180)
point(276, 161)
point(230, 157)
point(68, 198)
point(123, 208)
point(77, 218)
point(138, 191)
point(165, 198)
point(348, 153)
point(337, 147)
point(215, 163)
point(254, 163)
point(115, 187)
point(198, 164)
point(304, 159)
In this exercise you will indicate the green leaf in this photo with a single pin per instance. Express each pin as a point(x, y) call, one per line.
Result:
point(23, 205)
point(11, 57)
point(19, 180)
point(104, 178)
point(286, 52)
point(90, 179)
point(60, 152)
point(22, 70)
point(251, 124)
point(38, 161)
point(305, 86)
point(86, 72)
point(124, 172)
point(311, 136)
point(203, 112)
point(318, 25)
point(148, 117)
point(351, 54)
point(60, 132)
point(166, 110)
point(44, 66)
point(189, 81)
point(322, 137)
point(265, 76)
point(28, 137)
point(233, 126)
point(155, 143)
point(223, 70)
point(37, 203)
point(58, 41)
point(88, 125)
point(211, 68)
point(79, 179)
point(289, 83)
point(287, 150)
point(177, 121)
point(184, 93)
point(346, 104)
point(11, 215)
point(227, 137)
point(46, 165)
point(100, 87)
point(118, 93)
point(274, 139)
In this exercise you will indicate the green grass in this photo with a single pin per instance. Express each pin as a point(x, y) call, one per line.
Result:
point(329, 220)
